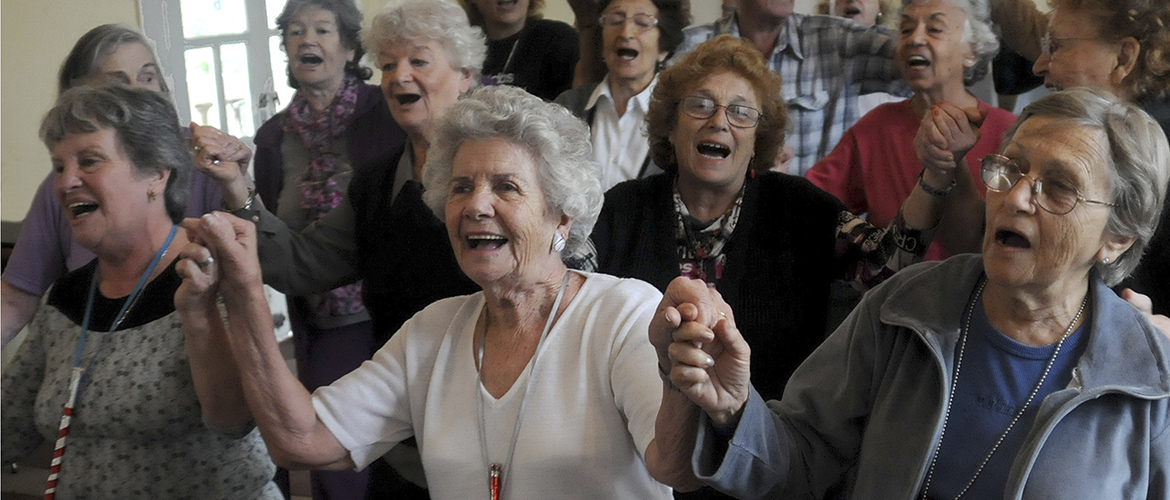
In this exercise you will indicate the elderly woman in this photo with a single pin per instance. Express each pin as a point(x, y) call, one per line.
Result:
point(540, 386)
point(45, 249)
point(1016, 373)
point(945, 46)
point(524, 50)
point(637, 37)
point(105, 366)
point(1122, 46)
point(304, 159)
point(771, 243)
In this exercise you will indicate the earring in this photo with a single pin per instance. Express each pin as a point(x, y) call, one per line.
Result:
point(151, 195)
point(1105, 261)
point(558, 243)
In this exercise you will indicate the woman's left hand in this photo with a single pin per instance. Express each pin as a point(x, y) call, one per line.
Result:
point(1146, 306)
point(200, 279)
point(946, 134)
point(216, 152)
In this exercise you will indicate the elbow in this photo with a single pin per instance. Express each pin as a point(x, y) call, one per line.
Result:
point(683, 480)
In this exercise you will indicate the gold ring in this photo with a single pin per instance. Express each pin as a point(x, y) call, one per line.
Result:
point(721, 313)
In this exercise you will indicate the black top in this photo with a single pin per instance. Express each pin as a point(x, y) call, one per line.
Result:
point(780, 261)
point(71, 292)
point(404, 256)
point(544, 59)
point(1152, 276)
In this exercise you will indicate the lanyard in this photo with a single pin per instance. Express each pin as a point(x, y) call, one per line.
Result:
point(78, 371)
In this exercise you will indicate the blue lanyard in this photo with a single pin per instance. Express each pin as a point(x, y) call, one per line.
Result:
point(126, 305)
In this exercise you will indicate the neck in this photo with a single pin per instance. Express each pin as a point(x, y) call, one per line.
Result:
point(1031, 317)
point(761, 30)
point(523, 307)
point(321, 98)
point(122, 268)
point(419, 144)
point(706, 202)
point(954, 93)
point(500, 31)
point(623, 90)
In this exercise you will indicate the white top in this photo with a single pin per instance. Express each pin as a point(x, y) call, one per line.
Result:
point(620, 144)
point(589, 417)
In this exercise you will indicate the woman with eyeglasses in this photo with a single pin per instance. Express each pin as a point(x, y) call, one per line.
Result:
point(636, 37)
point(1013, 374)
point(770, 243)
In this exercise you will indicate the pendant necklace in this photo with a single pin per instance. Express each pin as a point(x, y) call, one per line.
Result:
point(78, 371)
point(955, 383)
point(496, 470)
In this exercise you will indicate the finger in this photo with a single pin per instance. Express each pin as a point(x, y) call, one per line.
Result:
point(686, 355)
point(722, 307)
point(692, 332)
point(975, 115)
point(731, 339)
point(1139, 301)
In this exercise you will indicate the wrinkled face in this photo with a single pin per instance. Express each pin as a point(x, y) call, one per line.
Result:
point(503, 12)
point(711, 151)
point(100, 191)
point(864, 12)
point(1026, 246)
point(129, 64)
point(931, 52)
point(316, 53)
point(1077, 56)
point(498, 220)
point(631, 54)
point(420, 83)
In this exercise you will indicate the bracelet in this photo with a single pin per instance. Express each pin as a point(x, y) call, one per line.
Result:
point(931, 190)
point(662, 374)
point(248, 202)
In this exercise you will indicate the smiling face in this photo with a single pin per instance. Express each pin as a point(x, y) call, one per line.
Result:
point(1079, 58)
point(710, 151)
point(130, 64)
point(864, 12)
point(498, 220)
point(102, 194)
point(503, 16)
point(931, 54)
point(631, 56)
point(1025, 246)
point(316, 54)
point(420, 83)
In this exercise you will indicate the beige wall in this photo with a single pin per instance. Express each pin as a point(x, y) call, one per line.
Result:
point(35, 36)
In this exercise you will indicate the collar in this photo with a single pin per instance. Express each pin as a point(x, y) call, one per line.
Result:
point(789, 33)
point(640, 101)
point(1124, 352)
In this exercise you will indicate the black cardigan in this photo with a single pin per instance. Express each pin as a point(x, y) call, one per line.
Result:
point(780, 261)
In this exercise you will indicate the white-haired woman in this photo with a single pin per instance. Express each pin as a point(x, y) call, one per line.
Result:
point(945, 45)
point(540, 386)
point(1013, 374)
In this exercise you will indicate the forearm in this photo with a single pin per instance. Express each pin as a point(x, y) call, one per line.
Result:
point(280, 405)
point(213, 371)
point(590, 67)
point(321, 257)
point(1022, 26)
point(17, 308)
point(961, 226)
point(669, 455)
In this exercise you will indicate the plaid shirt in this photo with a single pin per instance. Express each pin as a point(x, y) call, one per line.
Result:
point(825, 63)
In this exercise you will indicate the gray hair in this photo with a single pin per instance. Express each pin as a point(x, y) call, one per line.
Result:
point(557, 140)
point(1139, 164)
point(92, 48)
point(443, 21)
point(146, 126)
point(978, 32)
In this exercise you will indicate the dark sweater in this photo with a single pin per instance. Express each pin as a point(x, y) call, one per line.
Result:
point(404, 256)
point(780, 261)
point(544, 60)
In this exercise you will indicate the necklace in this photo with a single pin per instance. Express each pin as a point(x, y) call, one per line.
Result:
point(78, 371)
point(955, 383)
point(496, 470)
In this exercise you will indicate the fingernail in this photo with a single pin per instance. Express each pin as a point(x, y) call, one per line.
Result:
point(210, 219)
point(936, 111)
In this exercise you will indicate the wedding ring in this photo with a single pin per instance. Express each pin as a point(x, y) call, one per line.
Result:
point(721, 313)
point(209, 261)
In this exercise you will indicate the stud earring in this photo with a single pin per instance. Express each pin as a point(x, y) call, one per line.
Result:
point(151, 195)
point(558, 243)
point(1106, 260)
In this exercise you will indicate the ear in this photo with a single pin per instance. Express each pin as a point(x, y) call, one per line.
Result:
point(1127, 56)
point(662, 56)
point(465, 81)
point(565, 224)
point(1113, 247)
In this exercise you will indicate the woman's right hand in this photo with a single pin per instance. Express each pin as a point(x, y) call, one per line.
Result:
point(225, 159)
point(200, 282)
point(946, 134)
point(232, 242)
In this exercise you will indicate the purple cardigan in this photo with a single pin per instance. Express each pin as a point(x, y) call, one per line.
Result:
point(372, 132)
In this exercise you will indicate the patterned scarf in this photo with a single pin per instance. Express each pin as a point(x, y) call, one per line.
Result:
point(700, 244)
point(320, 192)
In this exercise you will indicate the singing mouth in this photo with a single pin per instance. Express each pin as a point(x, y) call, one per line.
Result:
point(713, 150)
point(405, 99)
point(1012, 239)
point(81, 208)
point(491, 240)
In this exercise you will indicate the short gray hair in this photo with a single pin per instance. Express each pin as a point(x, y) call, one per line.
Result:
point(440, 20)
point(978, 32)
point(557, 140)
point(1139, 164)
point(146, 126)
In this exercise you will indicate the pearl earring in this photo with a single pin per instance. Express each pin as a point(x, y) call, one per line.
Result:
point(1105, 260)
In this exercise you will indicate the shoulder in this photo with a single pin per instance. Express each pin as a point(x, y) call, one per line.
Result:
point(271, 132)
point(998, 118)
point(551, 28)
point(369, 175)
point(575, 99)
point(639, 187)
point(775, 188)
point(604, 289)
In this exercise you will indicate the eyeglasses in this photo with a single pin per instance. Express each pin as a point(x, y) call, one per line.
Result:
point(738, 115)
point(642, 22)
point(1046, 42)
point(1056, 197)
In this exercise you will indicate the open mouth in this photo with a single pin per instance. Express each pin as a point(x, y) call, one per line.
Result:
point(917, 62)
point(852, 11)
point(1011, 239)
point(311, 59)
point(626, 53)
point(713, 150)
point(82, 208)
point(486, 240)
point(405, 99)
point(507, 3)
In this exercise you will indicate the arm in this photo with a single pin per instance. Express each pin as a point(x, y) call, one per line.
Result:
point(22, 379)
point(17, 308)
point(1021, 24)
point(281, 406)
point(944, 138)
point(321, 257)
point(590, 67)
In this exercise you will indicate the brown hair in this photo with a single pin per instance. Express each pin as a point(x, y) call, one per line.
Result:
point(1147, 21)
point(723, 53)
point(535, 7)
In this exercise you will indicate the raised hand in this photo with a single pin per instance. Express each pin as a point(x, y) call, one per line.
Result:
point(946, 134)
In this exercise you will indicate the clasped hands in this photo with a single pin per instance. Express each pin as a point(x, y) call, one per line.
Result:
point(698, 345)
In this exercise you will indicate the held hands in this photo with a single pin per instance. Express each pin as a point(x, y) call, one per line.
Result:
point(946, 134)
point(230, 243)
point(1143, 304)
point(708, 360)
point(220, 155)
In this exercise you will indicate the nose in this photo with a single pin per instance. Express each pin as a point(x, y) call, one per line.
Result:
point(718, 121)
point(1040, 67)
point(67, 179)
point(479, 205)
point(1022, 196)
point(918, 36)
point(629, 29)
